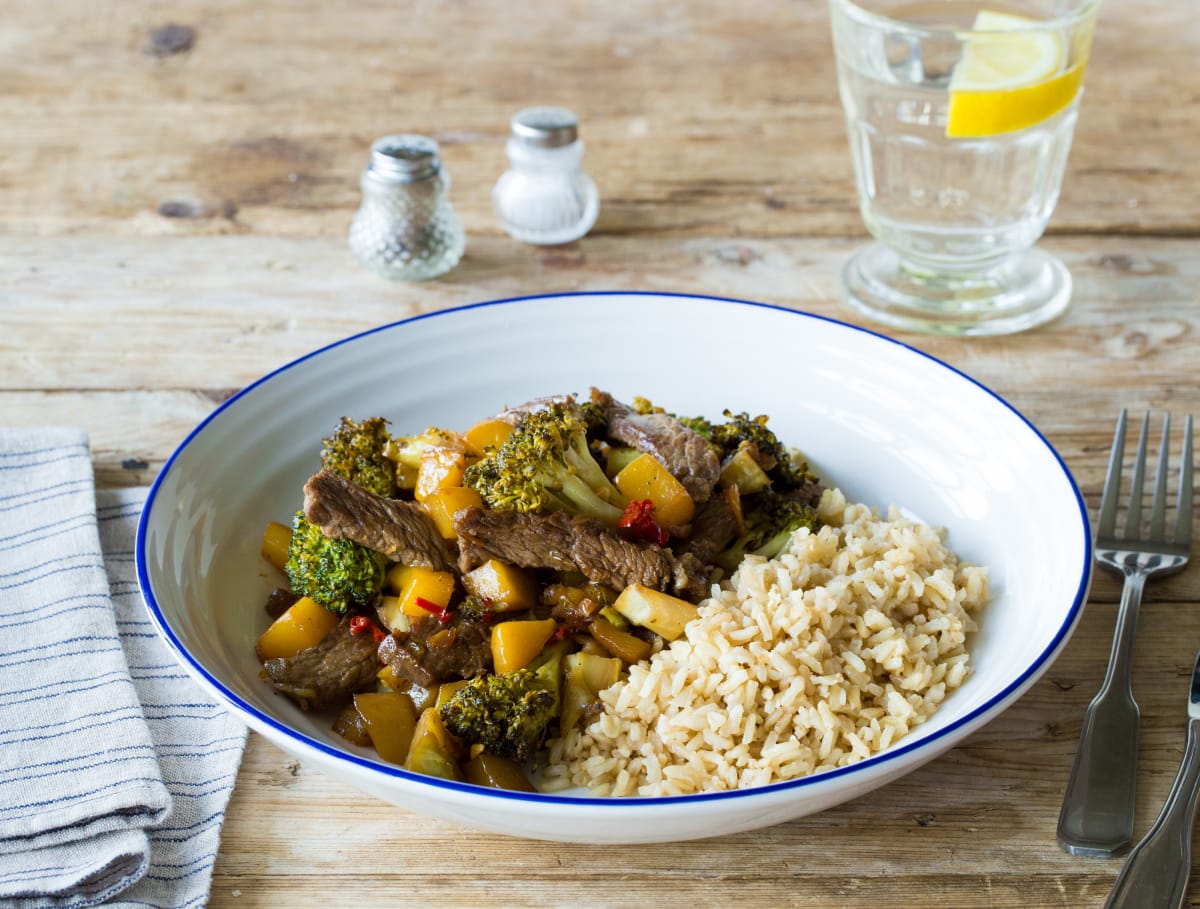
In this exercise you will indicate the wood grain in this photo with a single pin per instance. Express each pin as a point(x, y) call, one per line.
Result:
point(173, 226)
point(699, 118)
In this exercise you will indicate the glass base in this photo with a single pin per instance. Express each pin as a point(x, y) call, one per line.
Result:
point(1026, 290)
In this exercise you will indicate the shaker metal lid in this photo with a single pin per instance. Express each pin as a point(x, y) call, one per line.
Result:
point(404, 158)
point(545, 127)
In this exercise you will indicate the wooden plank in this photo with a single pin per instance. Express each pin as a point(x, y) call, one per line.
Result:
point(218, 312)
point(263, 127)
point(131, 433)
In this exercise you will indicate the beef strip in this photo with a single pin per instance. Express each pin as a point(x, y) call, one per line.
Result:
point(684, 452)
point(430, 652)
point(402, 531)
point(563, 542)
point(691, 577)
point(713, 528)
point(326, 675)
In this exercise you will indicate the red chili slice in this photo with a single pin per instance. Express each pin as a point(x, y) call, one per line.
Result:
point(360, 624)
point(443, 615)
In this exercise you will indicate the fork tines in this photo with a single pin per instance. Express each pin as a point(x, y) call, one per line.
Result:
point(1155, 531)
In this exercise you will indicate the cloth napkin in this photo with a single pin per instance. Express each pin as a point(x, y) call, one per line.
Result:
point(115, 768)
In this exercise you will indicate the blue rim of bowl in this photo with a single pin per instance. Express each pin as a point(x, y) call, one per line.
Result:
point(540, 798)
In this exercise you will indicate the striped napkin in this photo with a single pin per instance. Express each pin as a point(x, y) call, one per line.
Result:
point(115, 768)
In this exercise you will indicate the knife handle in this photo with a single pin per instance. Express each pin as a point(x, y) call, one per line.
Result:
point(1156, 872)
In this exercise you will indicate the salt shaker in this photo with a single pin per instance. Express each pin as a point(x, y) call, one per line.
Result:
point(405, 228)
point(545, 197)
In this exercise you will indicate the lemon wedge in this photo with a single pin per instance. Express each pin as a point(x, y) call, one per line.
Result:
point(1011, 76)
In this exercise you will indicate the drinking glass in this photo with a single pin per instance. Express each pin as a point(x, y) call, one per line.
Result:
point(960, 116)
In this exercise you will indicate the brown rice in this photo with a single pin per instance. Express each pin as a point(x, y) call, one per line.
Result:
point(816, 659)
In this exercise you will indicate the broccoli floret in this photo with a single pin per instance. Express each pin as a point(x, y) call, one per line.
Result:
point(338, 574)
point(546, 465)
point(407, 450)
point(770, 519)
point(644, 405)
point(595, 420)
point(356, 451)
point(774, 457)
point(476, 609)
point(510, 712)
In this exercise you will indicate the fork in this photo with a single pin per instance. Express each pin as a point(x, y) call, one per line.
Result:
point(1097, 810)
point(1157, 870)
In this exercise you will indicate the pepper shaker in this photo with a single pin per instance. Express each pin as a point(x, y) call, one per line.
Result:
point(544, 197)
point(405, 228)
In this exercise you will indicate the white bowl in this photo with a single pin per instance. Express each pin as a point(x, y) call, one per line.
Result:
point(886, 423)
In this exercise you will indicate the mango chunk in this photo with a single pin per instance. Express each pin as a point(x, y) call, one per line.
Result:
point(388, 680)
point(421, 696)
point(406, 475)
point(515, 644)
point(434, 750)
point(486, 769)
point(303, 625)
point(440, 467)
point(486, 434)
point(505, 587)
point(742, 470)
point(412, 583)
point(352, 727)
point(645, 478)
point(585, 676)
point(447, 690)
point(443, 504)
point(276, 541)
point(660, 612)
point(391, 614)
point(390, 720)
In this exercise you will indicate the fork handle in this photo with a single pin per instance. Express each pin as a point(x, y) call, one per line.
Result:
point(1155, 876)
point(1097, 810)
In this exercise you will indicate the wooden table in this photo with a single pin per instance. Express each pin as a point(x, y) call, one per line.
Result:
point(172, 227)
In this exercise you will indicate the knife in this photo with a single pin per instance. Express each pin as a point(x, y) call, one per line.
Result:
point(1155, 875)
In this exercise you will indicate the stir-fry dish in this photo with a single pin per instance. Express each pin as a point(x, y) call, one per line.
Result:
point(458, 597)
